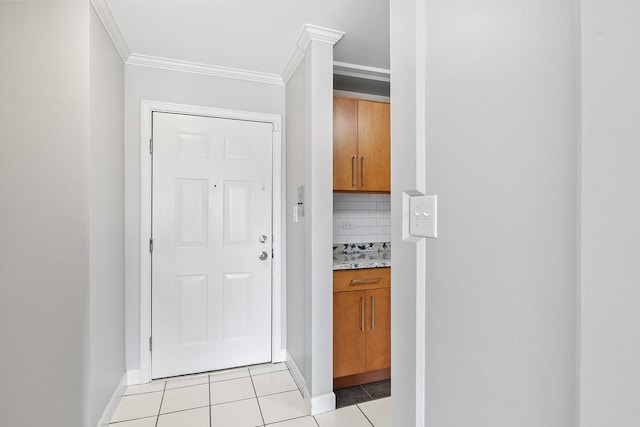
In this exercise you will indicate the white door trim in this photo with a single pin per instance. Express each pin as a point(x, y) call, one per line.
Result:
point(147, 108)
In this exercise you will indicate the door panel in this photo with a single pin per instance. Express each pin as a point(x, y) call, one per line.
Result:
point(349, 331)
point(237, 208)
point(211, 294)
point(345, 143)
point(374, 148)
point(378, 317)
point(192, 202)
point(236, 302)
point(191, 294)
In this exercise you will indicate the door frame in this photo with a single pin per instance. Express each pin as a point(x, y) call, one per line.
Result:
point(278, 354)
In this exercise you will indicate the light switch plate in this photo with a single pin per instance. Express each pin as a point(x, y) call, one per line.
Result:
point(423, 216)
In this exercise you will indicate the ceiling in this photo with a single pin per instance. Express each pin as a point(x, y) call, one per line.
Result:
point(252, 35)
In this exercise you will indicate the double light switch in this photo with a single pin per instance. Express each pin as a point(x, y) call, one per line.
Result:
point(423, 216)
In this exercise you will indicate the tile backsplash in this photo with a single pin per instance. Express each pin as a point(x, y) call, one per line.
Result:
point(359, 218)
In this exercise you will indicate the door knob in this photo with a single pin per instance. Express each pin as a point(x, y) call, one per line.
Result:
point(263, 239)
point(263, 255)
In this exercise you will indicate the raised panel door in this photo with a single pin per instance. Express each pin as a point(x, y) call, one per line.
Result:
point(211, 294)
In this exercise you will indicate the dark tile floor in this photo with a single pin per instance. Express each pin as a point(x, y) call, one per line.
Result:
point(362, 393)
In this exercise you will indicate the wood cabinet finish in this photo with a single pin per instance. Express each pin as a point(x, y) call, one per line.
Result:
point(361, 325)
point(345, 143)
point(374, 146)
point(348, 333)
point(363, 278)
point(378, 340)
point(361, 145)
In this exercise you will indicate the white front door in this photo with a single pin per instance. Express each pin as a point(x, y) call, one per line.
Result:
point(211, 259)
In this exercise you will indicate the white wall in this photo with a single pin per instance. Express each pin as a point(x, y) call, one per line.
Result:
point(44, 213)
point(407, 176)
point(297, 328)
point(182, 88)
point(106, 229)
point(309, 242)
point(502, 151)
point(610, 257)
point(318, 224)
point(501, 134)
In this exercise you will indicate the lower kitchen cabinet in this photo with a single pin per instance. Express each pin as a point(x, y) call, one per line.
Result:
point(349, 335)
point(378, 340)
point(361, 326)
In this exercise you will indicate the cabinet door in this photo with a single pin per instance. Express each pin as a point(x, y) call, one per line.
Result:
point(374, 146)
point(345, 142)
point(349, 333)
point(378, 343)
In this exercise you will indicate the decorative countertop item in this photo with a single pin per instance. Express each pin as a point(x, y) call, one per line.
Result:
point(349, 256)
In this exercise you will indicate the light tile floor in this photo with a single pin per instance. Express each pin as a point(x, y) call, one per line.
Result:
point(257, 396)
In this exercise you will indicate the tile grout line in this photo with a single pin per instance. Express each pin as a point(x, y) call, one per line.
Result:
point(161, 400)
point(210, 406)
point(166, 384)
point(291, 419)
point(115, 423)
point(233, 401)
point(187, 386)
point(257, 400)
point(363, 414)
point(277, 392)
point(185, 410)
point(266, 373)
point(283, 392)
point(366, 392)
point(177, 411)
point(229, 379)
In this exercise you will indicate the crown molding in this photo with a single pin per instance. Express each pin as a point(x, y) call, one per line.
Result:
point(320, 34)
point(360, 95)
point(361, 76)
point(309, 32)
point(106, 16)
point(382, 71)
point(296, 58)
point(198, 68)
point(361, 71)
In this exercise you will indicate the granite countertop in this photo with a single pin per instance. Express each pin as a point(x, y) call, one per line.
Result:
point(351, 256)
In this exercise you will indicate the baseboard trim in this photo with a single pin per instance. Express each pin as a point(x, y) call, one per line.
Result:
point(323, 403)
point(316, 405)
point(363, 378)
point(280, 356)
point(108, 412)
point(133, 377)
point(299, 379)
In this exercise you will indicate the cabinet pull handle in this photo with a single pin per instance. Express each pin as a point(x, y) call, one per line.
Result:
point(362, 170)
point(353, 172)
point(373, 312)
point(362, 313)
point(364, 281)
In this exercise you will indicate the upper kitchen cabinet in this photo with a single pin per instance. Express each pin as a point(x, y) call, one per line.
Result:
point(361, 146)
